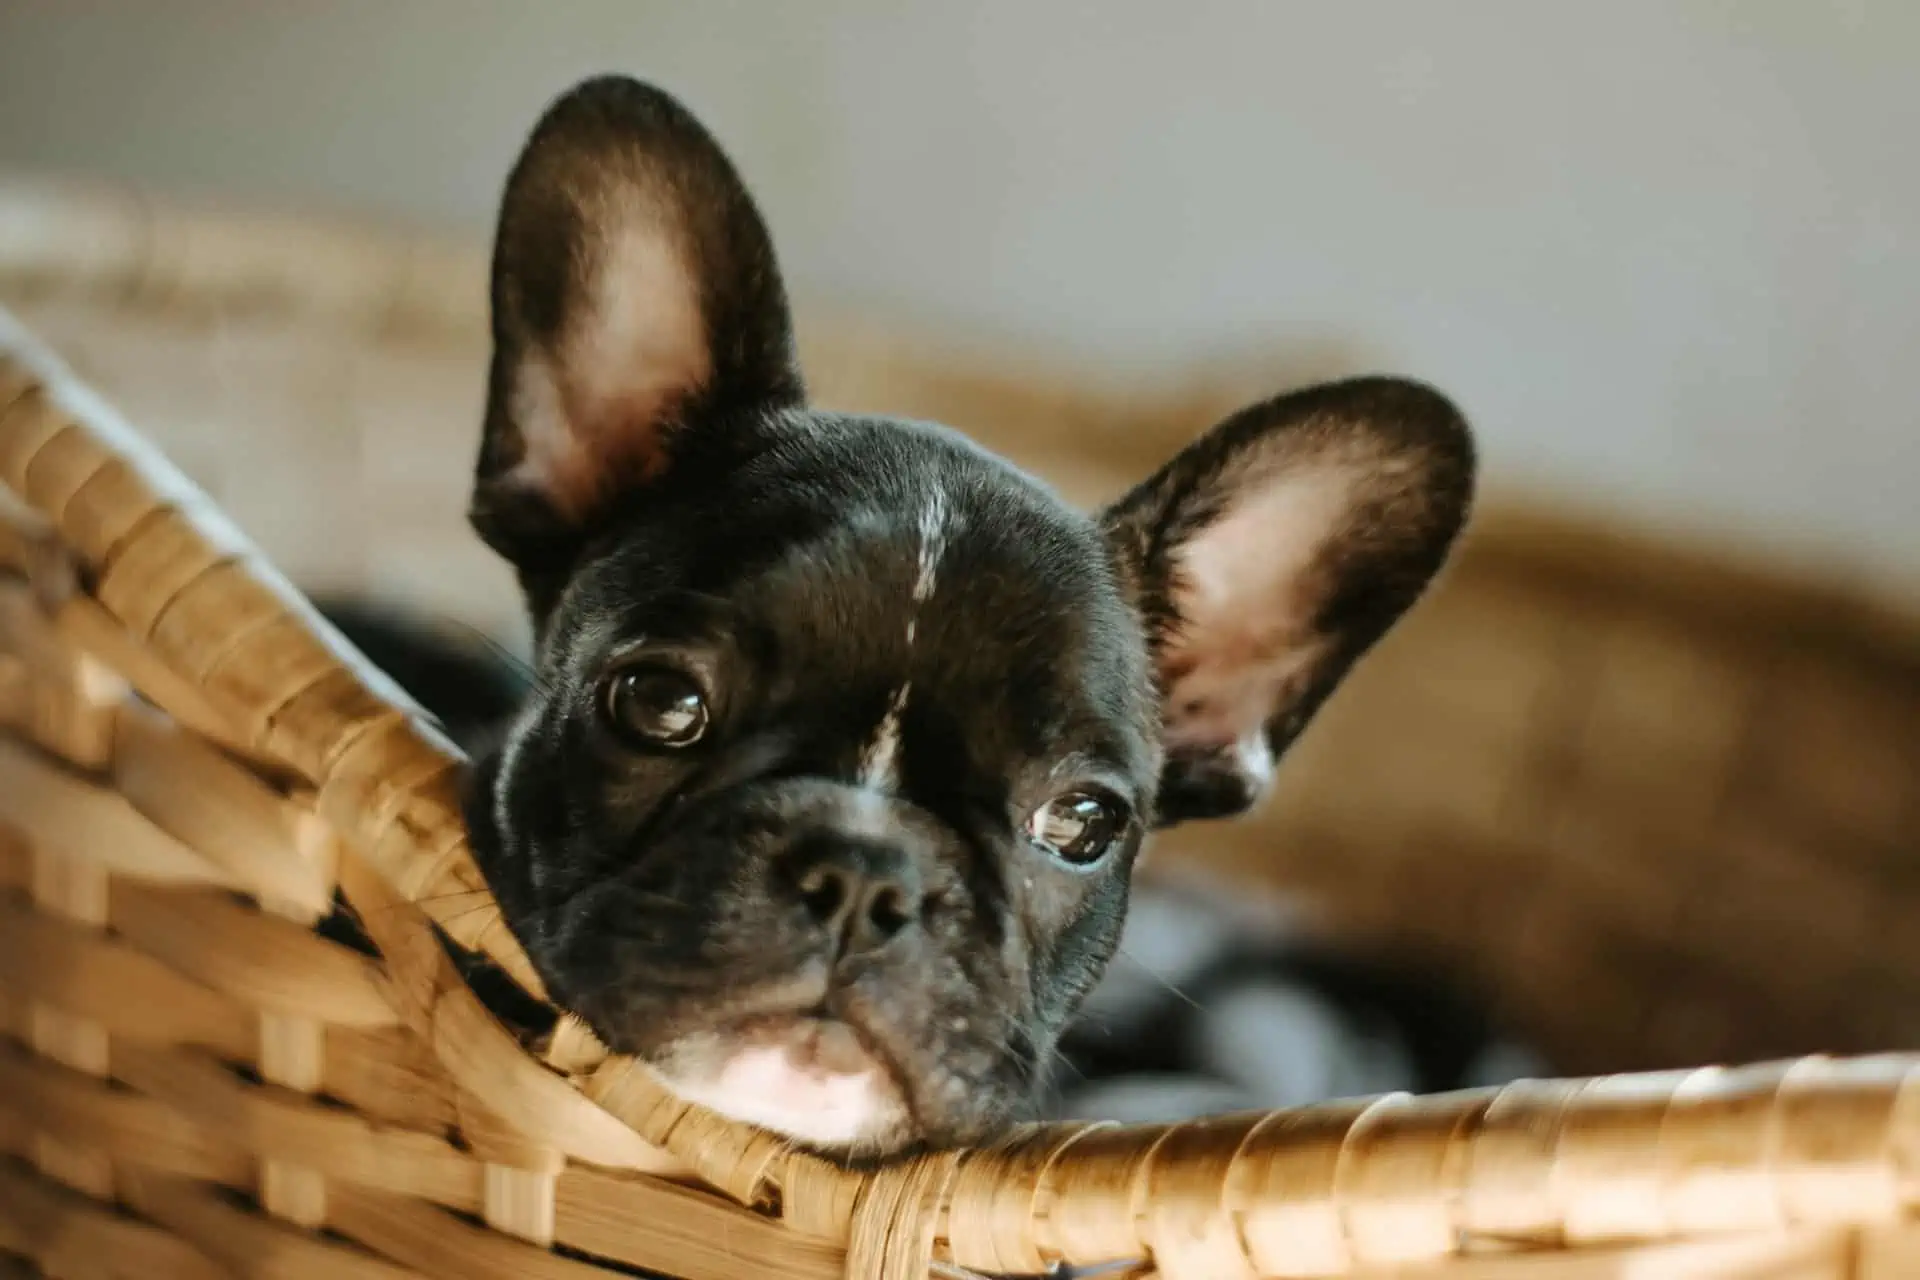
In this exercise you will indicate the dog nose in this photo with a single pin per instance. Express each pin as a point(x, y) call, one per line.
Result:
point(863, 894)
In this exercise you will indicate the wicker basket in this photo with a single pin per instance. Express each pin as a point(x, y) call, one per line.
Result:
point(1657, 806)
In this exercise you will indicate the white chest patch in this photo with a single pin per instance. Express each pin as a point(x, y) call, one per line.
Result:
point(880, 762)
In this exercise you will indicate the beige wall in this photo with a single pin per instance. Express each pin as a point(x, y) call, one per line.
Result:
point(1667, 252)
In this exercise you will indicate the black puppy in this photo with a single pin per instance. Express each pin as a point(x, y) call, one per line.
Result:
point(844, 733)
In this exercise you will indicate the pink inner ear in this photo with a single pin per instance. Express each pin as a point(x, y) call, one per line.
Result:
point(1246, 599)
point(594, 412)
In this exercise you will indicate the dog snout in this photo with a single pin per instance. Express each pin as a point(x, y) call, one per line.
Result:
point(863, 894)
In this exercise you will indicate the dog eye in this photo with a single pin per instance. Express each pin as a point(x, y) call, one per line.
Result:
point(655, 706)
point(1077, 827)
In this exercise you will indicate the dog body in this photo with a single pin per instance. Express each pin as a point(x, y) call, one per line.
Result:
point(844, 734)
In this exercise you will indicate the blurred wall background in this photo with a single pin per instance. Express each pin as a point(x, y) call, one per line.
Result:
point(1666, 252)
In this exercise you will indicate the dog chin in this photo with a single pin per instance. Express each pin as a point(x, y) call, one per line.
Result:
point(810, 1079)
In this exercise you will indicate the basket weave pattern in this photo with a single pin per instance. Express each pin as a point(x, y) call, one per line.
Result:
point(194, 1082)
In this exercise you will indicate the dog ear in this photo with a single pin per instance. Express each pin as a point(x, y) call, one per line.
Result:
point(639, 321)
point(1272, 553)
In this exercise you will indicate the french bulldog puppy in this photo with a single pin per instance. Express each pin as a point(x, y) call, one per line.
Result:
point(843, 734)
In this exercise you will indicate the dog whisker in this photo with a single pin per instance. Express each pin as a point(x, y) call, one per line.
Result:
point(1121, 953)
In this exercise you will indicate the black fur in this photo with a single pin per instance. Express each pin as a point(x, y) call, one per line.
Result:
point(832, 584)
point(611, 864)
point(1150, 1042)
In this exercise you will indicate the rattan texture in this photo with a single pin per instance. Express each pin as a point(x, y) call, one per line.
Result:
point(1663, 807)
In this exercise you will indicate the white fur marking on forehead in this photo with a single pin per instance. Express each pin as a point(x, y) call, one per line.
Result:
point(933, 535)
point(879, 764)
point(639, 344)
point(865, 813)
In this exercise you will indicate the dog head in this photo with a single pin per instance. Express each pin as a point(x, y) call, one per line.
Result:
point(847, 732)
